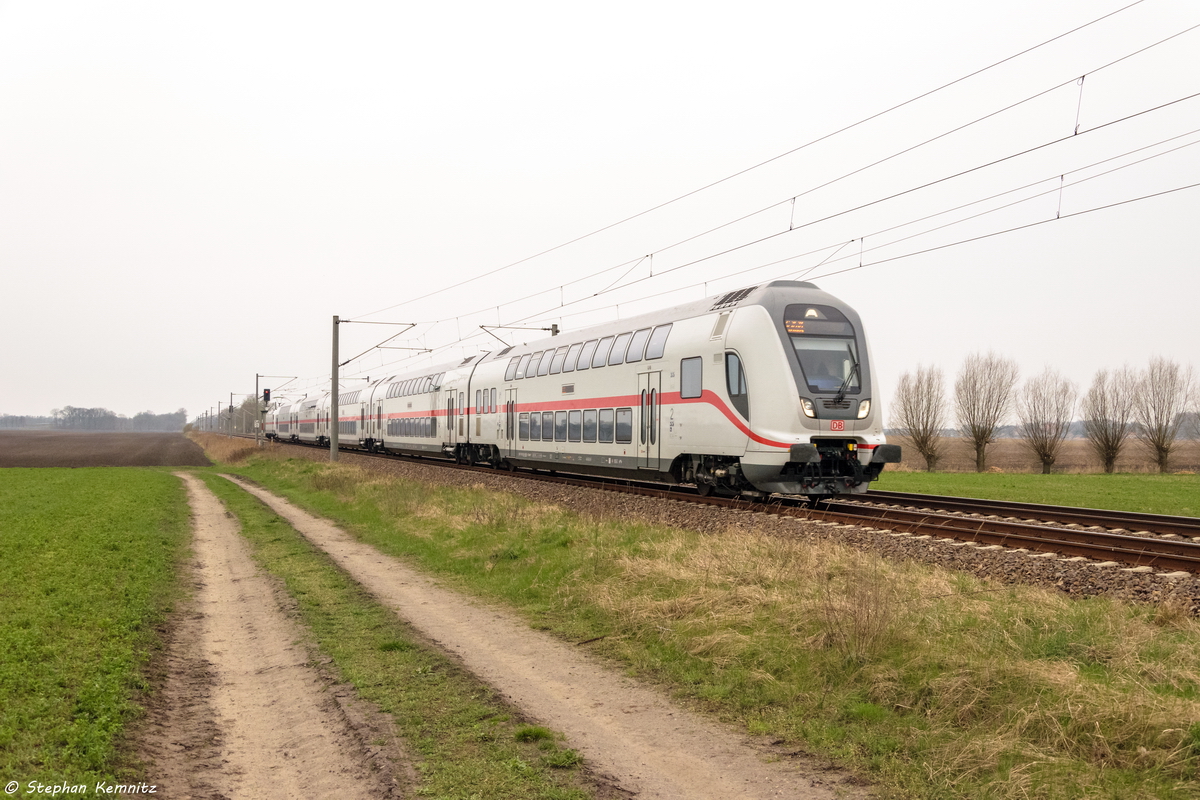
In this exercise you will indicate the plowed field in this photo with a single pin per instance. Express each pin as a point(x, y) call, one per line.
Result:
point(98, 449)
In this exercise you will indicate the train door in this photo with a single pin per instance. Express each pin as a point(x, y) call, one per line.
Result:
point(451, 419)
point(648, 439)
point(510, 421)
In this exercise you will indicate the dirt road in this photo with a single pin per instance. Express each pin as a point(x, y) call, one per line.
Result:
point(631, 735)
point(242, 713)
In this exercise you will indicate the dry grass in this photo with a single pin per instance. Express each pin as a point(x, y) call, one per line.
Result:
point(229, 449)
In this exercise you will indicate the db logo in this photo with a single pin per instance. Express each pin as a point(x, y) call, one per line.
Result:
point(837, 425)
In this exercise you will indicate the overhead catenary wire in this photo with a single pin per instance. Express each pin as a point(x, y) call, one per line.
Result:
point(463, 342)
point(841, 245)
point(792, 226)
point(761, 164)
point(860, 255)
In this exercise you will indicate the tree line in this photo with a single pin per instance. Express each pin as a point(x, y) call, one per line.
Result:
point(98, 419)
point(1155, 406)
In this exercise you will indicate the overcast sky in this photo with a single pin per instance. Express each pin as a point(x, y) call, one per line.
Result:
point(190, 192)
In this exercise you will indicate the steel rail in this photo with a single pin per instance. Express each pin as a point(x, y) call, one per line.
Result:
point(1108, 518)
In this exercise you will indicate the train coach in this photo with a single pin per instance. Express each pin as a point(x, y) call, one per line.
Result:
point(763, 390)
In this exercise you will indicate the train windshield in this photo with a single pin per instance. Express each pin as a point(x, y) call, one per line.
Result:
point(825, 345)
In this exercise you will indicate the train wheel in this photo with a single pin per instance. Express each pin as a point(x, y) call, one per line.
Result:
point(704, 489)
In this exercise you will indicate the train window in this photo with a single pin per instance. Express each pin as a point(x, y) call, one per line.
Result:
point(651, 423)
point(624, 425)
point(560, 426)
point(691, 377)
point(645, 419)
point(827, 363)
point(557, 364)
point(512, 368)
point(607, 423)
point(585, 355)
point(522, 366)
point(426, 384)
point(547, 426)
point(535, 426)
point(735, 381)
point(618, 350)
point(536, 363)
point(589, 425)
point(601, 357)
point(658, 342)
point(547, 360)
point(478, 401)
point(495, 408)
point(572, 357)
point(637, 345)
point(574, 425)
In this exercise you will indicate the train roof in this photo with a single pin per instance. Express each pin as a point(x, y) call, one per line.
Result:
point(764, 294)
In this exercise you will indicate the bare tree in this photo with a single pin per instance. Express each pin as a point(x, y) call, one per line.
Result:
point(919, 410)
point(1163, 393)
point(1046, 407)
point(1108, 413)
point(983, 396)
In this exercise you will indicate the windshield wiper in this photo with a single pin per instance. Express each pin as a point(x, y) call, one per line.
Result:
point(841, 393)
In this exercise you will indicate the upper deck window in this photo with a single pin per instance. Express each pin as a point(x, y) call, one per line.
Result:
point(523, 365)
point(618, 349)
point(572, 355)
point(658, 341)
point(585, 357)
point(637, 346)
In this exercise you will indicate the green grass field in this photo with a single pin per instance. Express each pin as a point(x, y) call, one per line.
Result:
point(87, 568)
point(934, 684)
point(1152, 494)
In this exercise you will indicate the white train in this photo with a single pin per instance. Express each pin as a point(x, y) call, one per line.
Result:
point(766, 389)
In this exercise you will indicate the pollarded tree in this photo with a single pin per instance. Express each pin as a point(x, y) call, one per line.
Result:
point(1108, 413)
point(983, 397)
point(1046, 407)
point(1163, 393)
point(919, 412)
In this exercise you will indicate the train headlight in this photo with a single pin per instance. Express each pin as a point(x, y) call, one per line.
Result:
point(809, 409)
point(864, 408)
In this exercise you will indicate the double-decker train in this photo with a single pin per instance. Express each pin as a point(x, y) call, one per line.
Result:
point(763, 390)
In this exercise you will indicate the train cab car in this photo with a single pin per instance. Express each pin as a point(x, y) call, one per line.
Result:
point(766, 389)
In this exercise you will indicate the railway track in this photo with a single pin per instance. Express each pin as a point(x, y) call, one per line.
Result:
point(1164, 543)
